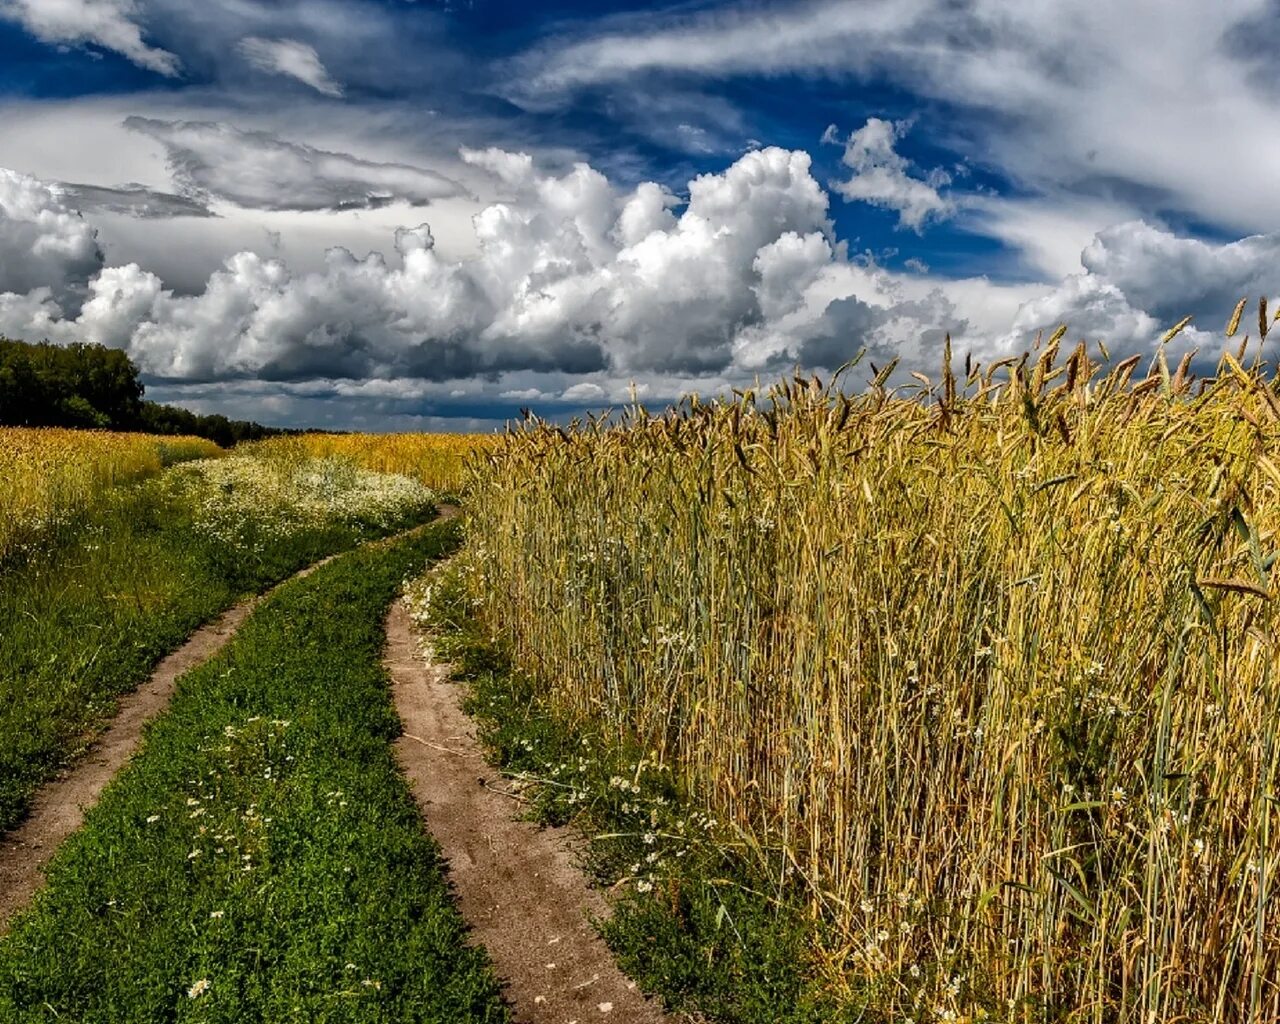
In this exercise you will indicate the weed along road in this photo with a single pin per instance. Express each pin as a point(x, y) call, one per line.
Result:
point(59, 807)
point(261, 855)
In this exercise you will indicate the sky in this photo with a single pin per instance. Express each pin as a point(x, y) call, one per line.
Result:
point(431, 214)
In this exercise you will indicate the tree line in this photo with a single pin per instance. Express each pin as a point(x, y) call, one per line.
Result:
point(91, 386)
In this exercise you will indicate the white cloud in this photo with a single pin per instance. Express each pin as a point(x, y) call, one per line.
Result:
point(184, 249)
point(580, 287)
point(291, 58)
point(573, 276)
point(1049, 231)
point(259, 170)
point(512, 169)
point(1092, 308)
point(43, 243)
point(585, 392)
point(1173, 276)
point(1139, 280)
point(881, 176)
point(786, 268)
point(756, 40)
point(111, 24)
point(1054, 97)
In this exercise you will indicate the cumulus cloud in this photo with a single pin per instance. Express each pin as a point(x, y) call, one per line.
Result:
point(45, 245)
point(259, 170)
point(574, 276)
point(131, 200)
point(1092, 308)
point(881, 176)
point(838, 308)
point(1140, 279)
point(110, 24)
point(580, 286)
point(1171, 276)
point(291, 58)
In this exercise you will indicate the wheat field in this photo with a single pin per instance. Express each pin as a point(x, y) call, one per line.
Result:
point(985, 667)
point(436, 460)
point(48, 474)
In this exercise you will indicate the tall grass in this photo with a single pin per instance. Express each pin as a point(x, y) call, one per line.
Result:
point(987, 668)
point(435, 460)
point(49, 475)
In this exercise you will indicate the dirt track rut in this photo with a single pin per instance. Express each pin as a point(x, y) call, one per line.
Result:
point(59, 807)
point(518, 885)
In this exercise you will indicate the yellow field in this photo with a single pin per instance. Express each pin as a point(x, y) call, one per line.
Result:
point(435, 460)
point(46, 474)
point(990, 667)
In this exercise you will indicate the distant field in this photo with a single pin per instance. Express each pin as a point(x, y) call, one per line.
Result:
point(47, 474)
point(119, 561)
point(436, 460)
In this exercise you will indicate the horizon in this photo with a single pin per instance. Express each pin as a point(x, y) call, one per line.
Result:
point(389, 216)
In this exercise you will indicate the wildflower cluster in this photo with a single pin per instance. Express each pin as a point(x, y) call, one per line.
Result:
point(227, 832)
point(245, 502)
point(435, 460)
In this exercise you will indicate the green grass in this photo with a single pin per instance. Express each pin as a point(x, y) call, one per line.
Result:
point(263, 842)
point(694, 922)
point(85, 621)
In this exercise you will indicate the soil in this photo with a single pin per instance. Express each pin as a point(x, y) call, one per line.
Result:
point(518, 885)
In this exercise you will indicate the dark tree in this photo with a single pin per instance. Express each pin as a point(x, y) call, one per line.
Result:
point(47, 385)
point(74, 385)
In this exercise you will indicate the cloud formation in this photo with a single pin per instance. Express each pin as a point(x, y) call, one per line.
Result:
point(881, 176)
point(261, 171)
point(1140, 279)
point(580, 287)
point(110, 24)
point(291, 58)
point(131, 200)
point(1057, 101)
point(46, 248)
point(761, 39)
point(574, 277)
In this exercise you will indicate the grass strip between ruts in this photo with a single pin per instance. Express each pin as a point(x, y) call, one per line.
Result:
point(261, 859)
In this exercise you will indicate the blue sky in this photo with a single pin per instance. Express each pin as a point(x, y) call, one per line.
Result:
point(389, 214)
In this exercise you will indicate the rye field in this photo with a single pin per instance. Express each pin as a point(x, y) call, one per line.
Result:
point(983, 670)
point(435, 460)
point(948, 700)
